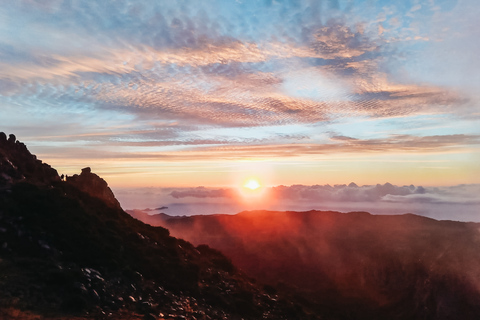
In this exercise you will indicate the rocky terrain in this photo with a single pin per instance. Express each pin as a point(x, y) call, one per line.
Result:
point(17, 164)
point(350, 265)
point(68, 251)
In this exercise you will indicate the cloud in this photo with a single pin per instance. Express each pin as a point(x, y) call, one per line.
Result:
point(461, 194)
point(186, 68)
point(448, 202)
point(343, 144)
point(201, 192)
point(238, 149)
point(408, 143)
point(342, 193)
point(336, 40)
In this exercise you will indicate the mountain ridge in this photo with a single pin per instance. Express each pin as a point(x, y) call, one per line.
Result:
point(352, 265)
point(68, 250)
point(18, 164)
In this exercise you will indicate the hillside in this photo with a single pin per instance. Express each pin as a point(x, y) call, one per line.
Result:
point(351, 265)
point(68, 251)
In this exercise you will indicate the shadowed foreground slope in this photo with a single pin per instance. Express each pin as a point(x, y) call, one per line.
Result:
point(350, 265)
point(68, 249)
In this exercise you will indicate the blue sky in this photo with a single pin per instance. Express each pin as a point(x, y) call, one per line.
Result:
point(189, 93)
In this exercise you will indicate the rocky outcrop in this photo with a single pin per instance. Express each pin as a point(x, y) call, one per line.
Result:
point(95, 186)
point(18, 164)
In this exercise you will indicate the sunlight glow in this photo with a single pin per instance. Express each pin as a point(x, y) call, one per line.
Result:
point(252, 184)
point(252, 193)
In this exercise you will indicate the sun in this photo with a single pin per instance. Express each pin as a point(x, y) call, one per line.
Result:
point(252, 192)
point(252, 184)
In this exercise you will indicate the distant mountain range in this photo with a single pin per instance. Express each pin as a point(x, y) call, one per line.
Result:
point(349, 265)
point(69, 251)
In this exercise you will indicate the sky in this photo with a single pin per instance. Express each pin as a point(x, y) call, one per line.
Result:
point(188, 94)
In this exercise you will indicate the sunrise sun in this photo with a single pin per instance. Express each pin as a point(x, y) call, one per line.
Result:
point(252, 189)
point(252, 184)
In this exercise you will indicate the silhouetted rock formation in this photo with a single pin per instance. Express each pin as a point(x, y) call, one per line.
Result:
point(67, 249)
point(352, 265)
point(93, 185)
point(18, 164)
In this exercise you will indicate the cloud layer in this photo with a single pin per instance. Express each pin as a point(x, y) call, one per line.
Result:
point(387, 192)
point(454, 202)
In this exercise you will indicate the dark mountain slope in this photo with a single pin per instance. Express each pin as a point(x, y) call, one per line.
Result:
point(354, 265)
point(18, 164)
point(156, 219)
point(67, 248)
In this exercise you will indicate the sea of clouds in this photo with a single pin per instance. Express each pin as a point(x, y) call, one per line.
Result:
point(459, 202)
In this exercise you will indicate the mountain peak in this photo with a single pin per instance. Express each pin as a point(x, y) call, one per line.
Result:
point(95, 186)
point(17, 164)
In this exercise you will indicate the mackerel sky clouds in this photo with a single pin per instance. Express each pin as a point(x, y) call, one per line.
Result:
point(189, 93)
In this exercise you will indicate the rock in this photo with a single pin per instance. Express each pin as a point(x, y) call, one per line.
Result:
point(95, 186)
point(95, 295)
point(18, 164)
point(80, 287)
point(12, 138)
point(149, 316)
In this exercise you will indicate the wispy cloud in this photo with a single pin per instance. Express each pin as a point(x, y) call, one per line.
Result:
point(197, 73)
point(238, 149)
